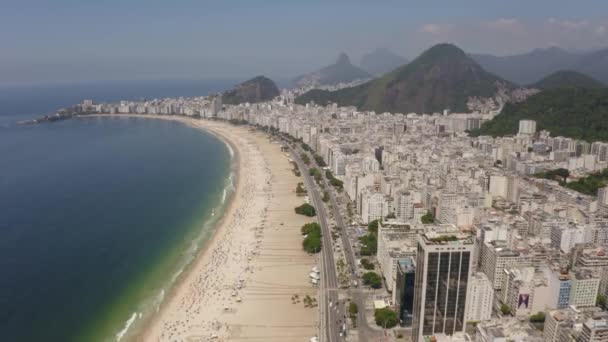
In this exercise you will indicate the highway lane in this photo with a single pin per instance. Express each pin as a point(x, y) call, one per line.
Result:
point(330, 297)
point(358, 297)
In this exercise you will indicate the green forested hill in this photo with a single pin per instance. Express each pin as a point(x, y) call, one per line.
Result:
point(443, 77)
point(580, 113)
point(257, 89)
point(567, 79)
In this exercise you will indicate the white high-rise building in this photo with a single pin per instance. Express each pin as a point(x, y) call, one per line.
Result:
point(498, 186)
point(480, 299)
point(570, 237)
point(595, 330)
point(373, 206)
point(602, 196)
point(527, 127)
point(585, 287)
point(446, 208)
point(339, 164)
point(496, 258)
point(370, 164)
point(404, 206)
point(518, 290)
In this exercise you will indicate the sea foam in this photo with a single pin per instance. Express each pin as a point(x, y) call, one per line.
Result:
point(128, 324)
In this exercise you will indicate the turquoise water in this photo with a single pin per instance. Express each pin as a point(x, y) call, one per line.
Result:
point(98, 215)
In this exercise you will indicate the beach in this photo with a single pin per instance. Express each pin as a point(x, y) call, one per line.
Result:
point(250, 280)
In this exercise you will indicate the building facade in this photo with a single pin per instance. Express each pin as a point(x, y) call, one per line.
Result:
point(444, 264)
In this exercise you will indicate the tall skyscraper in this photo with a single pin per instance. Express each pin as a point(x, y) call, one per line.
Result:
point(444, 264)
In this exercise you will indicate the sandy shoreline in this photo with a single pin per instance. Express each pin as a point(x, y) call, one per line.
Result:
point(242, 283)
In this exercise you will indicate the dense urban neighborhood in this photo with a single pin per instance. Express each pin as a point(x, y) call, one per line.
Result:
point(433, 232)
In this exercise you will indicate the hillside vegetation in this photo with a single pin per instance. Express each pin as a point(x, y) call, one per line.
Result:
point(579, 113)
point(257, 89)
point(567, 79)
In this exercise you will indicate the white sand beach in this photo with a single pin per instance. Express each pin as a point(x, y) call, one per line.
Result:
point(243, 285)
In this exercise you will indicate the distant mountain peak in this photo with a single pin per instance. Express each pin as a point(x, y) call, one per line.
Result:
point(343, 59)
point(341, 71)
point(444, 50)
point(381, 61)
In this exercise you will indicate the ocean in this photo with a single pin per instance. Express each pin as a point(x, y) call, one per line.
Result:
point(98, 216)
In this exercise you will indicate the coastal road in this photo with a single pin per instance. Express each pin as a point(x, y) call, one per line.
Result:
point(332, 316)
point(358, 296)
point(366, 333)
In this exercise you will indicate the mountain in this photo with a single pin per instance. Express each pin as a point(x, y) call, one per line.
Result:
point(442, 77)
point(257, 89)
point(580, 113)
point(594, 64)
point(532, 66)
point(341, 71)
point(528, 67)
point(567, 79)
point(381, 61)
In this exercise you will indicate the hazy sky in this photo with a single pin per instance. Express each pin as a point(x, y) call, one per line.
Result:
point(56, 40)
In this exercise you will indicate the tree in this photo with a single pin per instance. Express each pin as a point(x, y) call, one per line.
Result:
point(444, 238)
point(306, 210)
point(336, 183)
point(300, 189)
point(427, 218)
point(505, 309)
point(560, 173)
point(319, 160)
point(312, 241)
point(372, 279)
point(373, 226)
point(538, 317)
point(386, 318)
point(305, 158)
point(367, 264)
point(564, 173)
point(602, 302)
point(325, 196)
point(353, 310)
point(305, 146)
point(310, 227)
point(585, 185)
point(314, 172)
point(333, 180)
point(370, 244)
